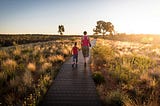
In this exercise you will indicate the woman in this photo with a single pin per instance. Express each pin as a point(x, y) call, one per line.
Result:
point(85, 43)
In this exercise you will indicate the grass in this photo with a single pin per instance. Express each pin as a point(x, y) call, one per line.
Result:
point(46, 67)
point(31, 67)
point(98, 77)
point(27, 71)
point(130, 70)
point(27, 79)
point(19, 39)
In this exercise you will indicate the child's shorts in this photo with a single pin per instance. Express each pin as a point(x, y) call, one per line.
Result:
point(75, 57)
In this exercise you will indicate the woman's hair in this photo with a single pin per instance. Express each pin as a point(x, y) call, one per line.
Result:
point(85, 32)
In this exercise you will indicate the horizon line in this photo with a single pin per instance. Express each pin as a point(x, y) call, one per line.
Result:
point(75, 34)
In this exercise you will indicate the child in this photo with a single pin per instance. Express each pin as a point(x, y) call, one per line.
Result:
point(75, 54)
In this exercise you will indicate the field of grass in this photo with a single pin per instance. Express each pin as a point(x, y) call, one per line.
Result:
point(13, 40)
point(126, 70)
point(27, 71)
point(139, 38)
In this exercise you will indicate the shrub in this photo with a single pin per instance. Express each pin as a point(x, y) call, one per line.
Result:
point(98, 77)
point(2, 79)
point(10, 99)
point(13, 83)
point(116, 98)
point(31, 67)
point(3, 54)
point(46, 67)
point(41, 59)
point(65, 52)
point(27, 79)
point(52, 59)
point(60, 58)
point(102, 55)
point(9, 67)
point(142, 63)
point(56, 58)
point(17, 51)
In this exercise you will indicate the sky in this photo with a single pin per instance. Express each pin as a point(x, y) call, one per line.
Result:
point(44, 16)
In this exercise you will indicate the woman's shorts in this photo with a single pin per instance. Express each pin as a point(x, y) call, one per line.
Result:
point(85, 51)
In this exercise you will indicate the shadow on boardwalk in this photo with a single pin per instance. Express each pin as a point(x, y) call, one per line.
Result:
point(72, 86)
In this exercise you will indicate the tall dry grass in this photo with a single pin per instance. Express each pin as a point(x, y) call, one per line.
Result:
point(131, 70)
point(27, 70)
point(27, 79)
point(31, 67)
point(9, 67)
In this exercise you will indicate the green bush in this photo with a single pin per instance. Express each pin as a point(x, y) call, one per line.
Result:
point(140, 62)
point(115, 98)
point(102, 55)
point(98, 77)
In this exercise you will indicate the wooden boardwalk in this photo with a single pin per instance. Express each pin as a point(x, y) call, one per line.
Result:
point(73, 86)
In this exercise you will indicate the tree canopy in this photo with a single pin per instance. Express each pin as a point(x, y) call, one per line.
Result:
point(104, 27)
point(61, 29)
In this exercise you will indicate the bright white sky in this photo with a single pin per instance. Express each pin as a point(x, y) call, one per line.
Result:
point(44, 16)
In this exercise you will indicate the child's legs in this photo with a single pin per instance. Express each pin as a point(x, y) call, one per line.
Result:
point(74, 58)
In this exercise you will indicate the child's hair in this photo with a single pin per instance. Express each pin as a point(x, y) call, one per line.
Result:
point(75, 43)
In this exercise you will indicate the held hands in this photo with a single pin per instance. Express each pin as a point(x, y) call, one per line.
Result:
point(90, 45)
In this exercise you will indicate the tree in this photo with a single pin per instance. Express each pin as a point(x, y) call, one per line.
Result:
point(61, 29)
point(104, 27)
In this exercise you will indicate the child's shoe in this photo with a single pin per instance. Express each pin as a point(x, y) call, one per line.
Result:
point(73, 64)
